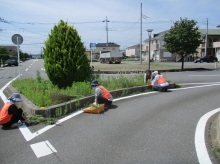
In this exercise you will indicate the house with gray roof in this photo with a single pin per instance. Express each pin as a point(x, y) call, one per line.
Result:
point(158, 50)
point(133, 51)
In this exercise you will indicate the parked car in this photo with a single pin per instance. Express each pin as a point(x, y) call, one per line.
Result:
point(11, 62)
point(206, 59)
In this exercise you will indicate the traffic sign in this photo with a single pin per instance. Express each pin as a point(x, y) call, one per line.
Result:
point(92, 45)
point(17, 39)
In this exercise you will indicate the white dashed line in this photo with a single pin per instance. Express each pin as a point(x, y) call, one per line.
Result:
point(43, 148)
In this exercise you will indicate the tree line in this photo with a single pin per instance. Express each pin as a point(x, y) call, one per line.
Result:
point(5, 55)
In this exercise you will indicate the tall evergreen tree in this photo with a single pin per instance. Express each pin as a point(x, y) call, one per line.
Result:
point(183, 38)
point(65, 60)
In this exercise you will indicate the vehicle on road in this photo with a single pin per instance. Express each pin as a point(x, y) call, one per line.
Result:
point(11, 62)
point(206, 59)
point(110, 57)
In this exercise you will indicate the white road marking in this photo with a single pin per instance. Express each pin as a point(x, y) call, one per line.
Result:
point(197, 83)
point(57, 123)
point(2, 95)
point(201, 150)
point(200, 143)
point(127, 97)
point(43, 148)
point(29, 136)
point(205, 75)
point(201, 86)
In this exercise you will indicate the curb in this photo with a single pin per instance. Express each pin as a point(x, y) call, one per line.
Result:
point(71, 106)
point(144, 71)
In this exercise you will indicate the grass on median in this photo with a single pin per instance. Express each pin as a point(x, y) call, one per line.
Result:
point(43, 93)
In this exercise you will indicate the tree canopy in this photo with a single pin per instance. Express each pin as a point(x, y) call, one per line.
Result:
point(65, 60)
point(183, 38)
point(3, 54)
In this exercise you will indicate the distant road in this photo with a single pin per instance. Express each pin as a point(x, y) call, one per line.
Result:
point(149, 128)
point(136, 65)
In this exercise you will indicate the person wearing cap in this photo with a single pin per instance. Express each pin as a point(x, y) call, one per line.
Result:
point(102, 95)
point(159, 82)
point(10, 113)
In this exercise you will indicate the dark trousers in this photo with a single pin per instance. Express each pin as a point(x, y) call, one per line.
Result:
point(160, 88)
point(102, 100)
point(18, 115)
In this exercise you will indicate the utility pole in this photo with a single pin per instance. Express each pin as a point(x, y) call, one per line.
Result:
point(141, 37)
point(206, 37)
point(106, 28)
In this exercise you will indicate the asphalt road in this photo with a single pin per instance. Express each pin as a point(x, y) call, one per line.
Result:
point(148, 128)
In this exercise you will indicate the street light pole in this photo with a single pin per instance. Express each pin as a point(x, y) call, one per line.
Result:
point(149, 34)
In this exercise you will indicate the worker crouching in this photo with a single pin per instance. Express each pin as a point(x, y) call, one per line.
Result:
point(10, 114)
point(102, 95)
point(159, 83)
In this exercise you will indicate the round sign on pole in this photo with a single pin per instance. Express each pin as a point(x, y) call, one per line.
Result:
point(17, 39)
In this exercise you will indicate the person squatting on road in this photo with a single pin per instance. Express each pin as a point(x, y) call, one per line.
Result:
point(102, 95)
point(10, 114)
point(159, 83)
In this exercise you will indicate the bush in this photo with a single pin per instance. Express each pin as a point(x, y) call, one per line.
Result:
point(65, 60)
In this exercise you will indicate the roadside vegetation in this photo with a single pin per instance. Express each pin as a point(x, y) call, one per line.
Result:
point(43, 93)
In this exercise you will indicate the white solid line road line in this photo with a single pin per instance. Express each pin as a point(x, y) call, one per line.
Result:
point(205, 75)
point(28, 135)
point(200, 143)
point(198, 83)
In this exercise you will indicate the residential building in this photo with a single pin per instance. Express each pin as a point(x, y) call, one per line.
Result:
point(12, 50)
point(216, 45)
point(158, 51)
point(133, 51)
point(212, 37)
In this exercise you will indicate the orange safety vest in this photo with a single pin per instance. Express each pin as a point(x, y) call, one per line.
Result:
point(4, 116)
point(105, 93)
point(161, 80)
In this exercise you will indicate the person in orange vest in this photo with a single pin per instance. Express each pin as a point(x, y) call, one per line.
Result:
point(159, 83)
point(102, 95)
point(10, 114)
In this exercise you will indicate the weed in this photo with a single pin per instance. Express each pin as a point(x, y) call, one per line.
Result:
point(43, 93)
point(216, 151)
point(40, 119)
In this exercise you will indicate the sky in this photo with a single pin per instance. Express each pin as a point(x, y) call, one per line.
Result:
point(34, 19)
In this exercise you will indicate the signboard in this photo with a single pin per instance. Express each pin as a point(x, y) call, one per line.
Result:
point(92, 45)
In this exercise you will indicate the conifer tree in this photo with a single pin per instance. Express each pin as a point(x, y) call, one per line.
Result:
point(65, 60)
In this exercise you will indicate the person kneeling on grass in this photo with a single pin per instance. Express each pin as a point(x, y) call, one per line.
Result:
point(102, 95)
point(10, 114)
point(159, 83)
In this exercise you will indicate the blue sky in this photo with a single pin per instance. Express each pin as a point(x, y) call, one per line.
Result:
point(34, 19)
